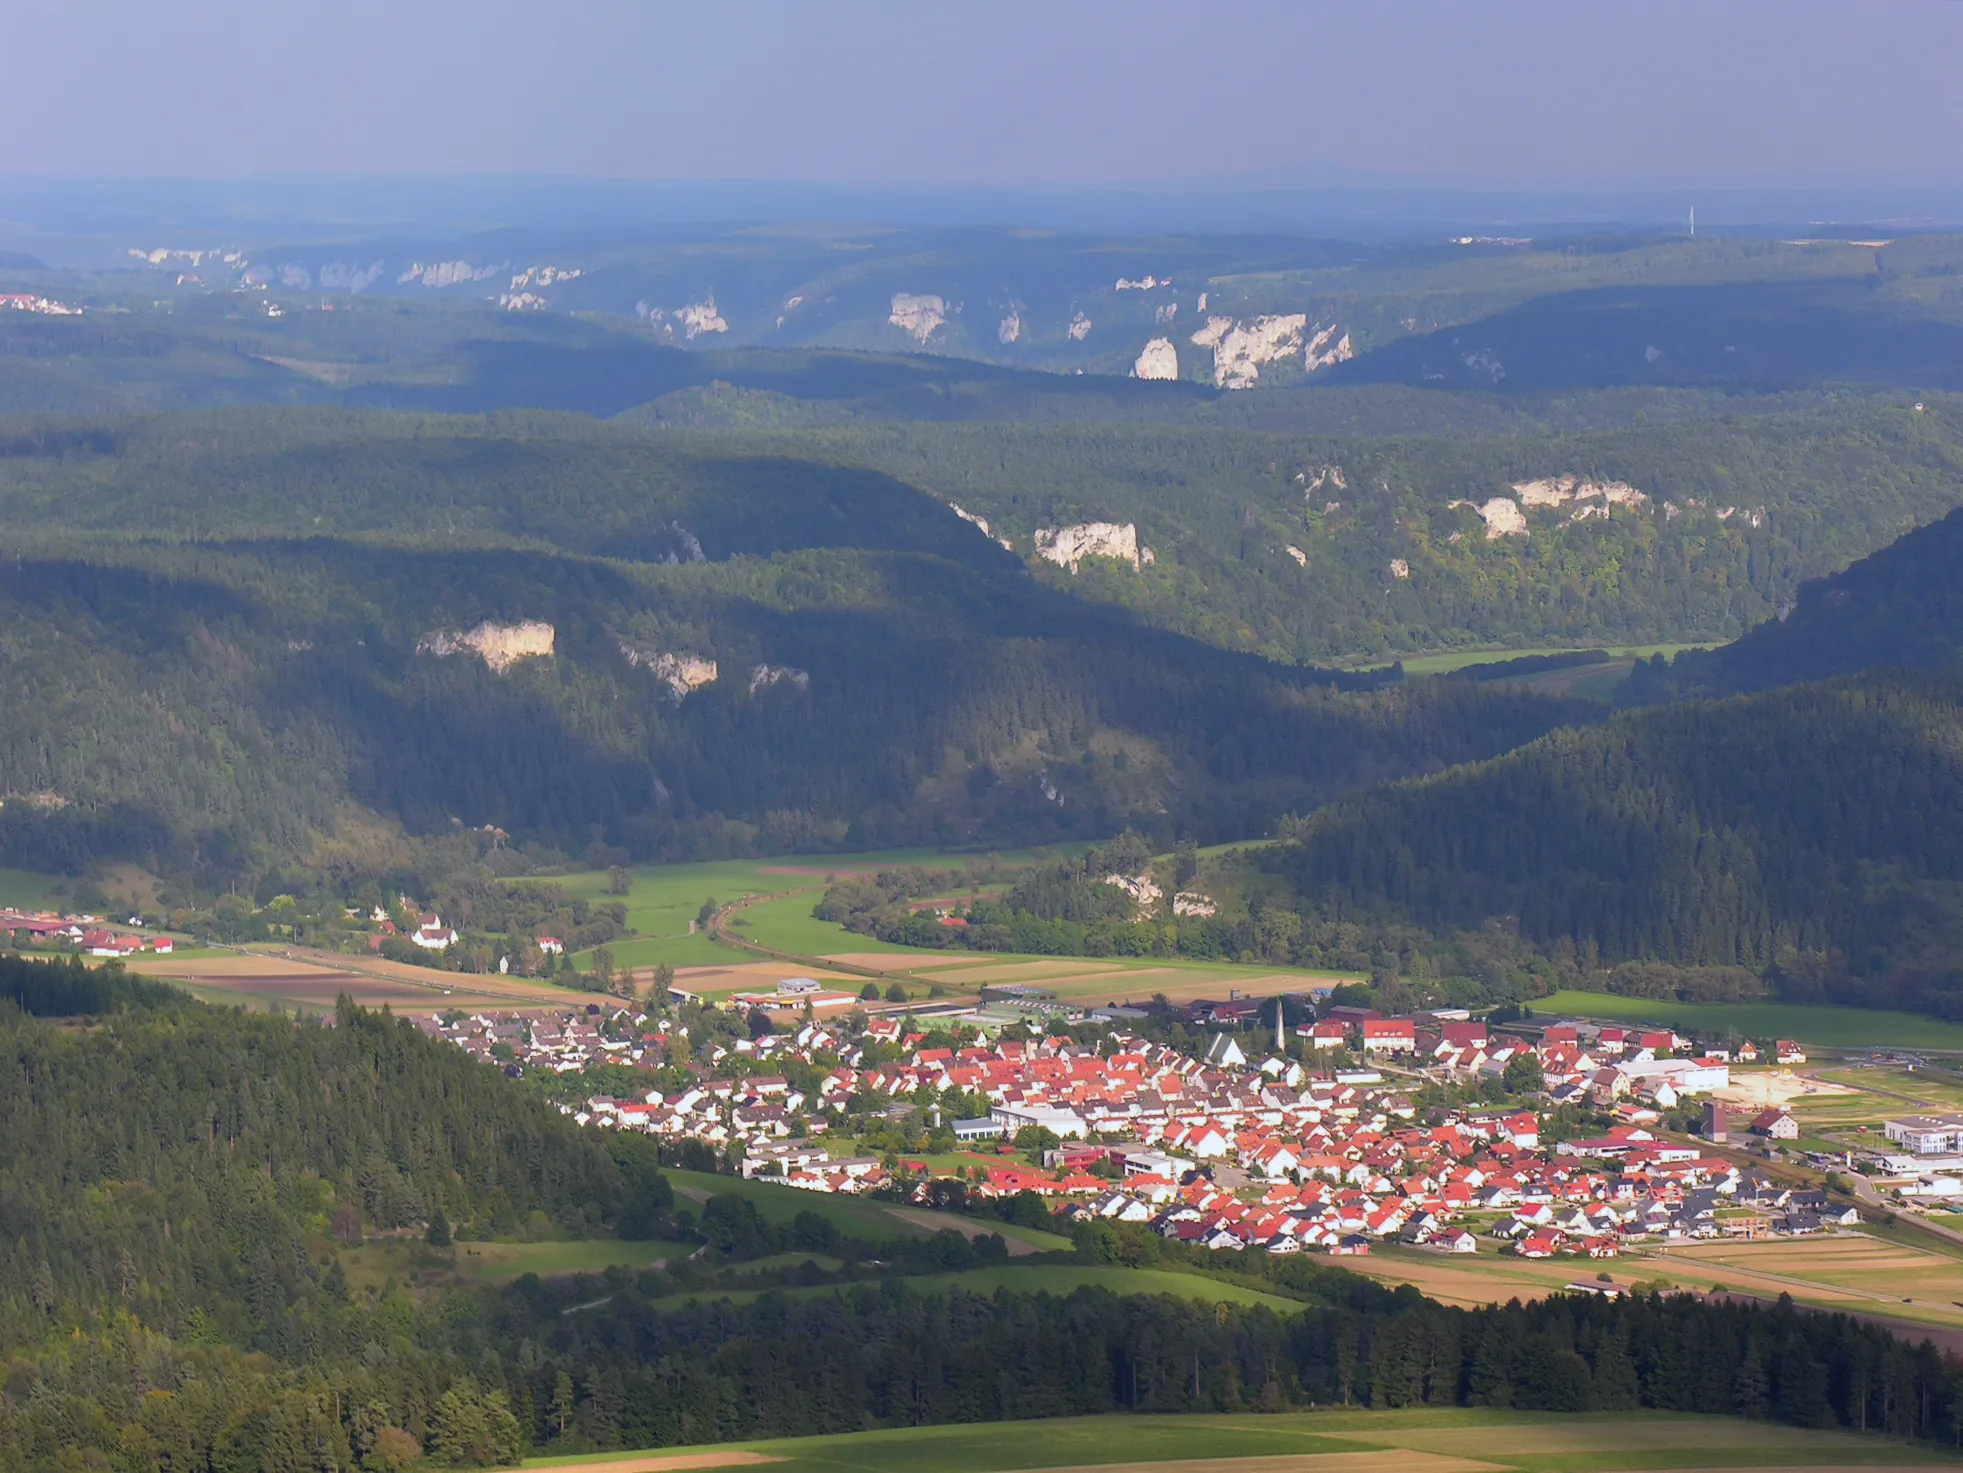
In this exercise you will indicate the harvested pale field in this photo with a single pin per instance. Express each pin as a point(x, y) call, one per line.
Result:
point(1035, 972)
point(758, 976)
point(1851, 1271)
point(1476, 1279)
point(1780, 1088)
point(1378, 1460)
point(1588, 1437)
point(895, 960)
point(317, 979)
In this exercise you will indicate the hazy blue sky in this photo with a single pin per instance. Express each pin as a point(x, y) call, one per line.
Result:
point(1005, 92)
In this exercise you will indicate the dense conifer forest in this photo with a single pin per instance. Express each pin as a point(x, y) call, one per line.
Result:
point(1807, 835)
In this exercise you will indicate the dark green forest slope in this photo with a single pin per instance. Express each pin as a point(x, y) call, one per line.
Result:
point(236, 639)
point(1901, 606)
point(234, 650)
point(173, 1163)
point(1812, 835)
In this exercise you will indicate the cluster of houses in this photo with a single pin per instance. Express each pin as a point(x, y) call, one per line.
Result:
point(1224, 1150)
point(85, 934)
point(39, 305)
point(1581, 1063)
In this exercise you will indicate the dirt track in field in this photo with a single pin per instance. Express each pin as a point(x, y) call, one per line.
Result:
point(1386, 1460)
point(733, 1458)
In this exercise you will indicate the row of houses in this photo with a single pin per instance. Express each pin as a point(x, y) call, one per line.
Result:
point(85, 934)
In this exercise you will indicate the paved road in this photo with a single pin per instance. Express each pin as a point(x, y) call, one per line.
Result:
point(1867, 1196)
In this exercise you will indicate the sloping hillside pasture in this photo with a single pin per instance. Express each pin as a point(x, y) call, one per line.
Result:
point(852, 1216)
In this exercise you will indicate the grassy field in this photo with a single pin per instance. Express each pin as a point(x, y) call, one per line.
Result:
point(1334, 1441)
point(1445, 664)
point(495, 1261)
point(26, 889)
point(787, 924)
point(1825, 1027)
point(1041, 1278)
point(853, 1217)
point(664, 899)
point(410, 1259)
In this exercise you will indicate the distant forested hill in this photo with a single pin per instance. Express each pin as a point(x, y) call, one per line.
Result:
point(1298, 547)
point(1813, 835)
point(1901, 606)
point(1320, 547)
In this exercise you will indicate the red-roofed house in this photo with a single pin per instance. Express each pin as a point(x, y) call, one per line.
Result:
point(1389, 1035)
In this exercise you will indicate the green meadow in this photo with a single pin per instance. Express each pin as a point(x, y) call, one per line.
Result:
point(26, 889)
point(1036, 1278)
point(852, 1216)
point(1446, 663)
point(1824, 1027)
point(1314, 1442)
point(492, 1261)
point(665, 899)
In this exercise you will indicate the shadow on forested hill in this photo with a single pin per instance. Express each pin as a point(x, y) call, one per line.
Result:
point(1767, 335)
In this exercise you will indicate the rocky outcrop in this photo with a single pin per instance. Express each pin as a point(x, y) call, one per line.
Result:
point(763, 677)
point(1194, 903)
point(1009, 330)
point(1080, 328)
point(1068, 546)
point(449, 273)
point(678, 671)
point(1159, 360)
point(1502, 516)
point(1325, 477)
point(499, 645)
point(1143, 889)
point(1242, 350)
point(544, 276)
point(345, 276)
point(974, 521)
point(1553, 491)
point(1325, 349)
point(700, 317)
point(918, 314)
point(694, 320)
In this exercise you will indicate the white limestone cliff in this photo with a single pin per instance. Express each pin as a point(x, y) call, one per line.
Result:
point(499, 645)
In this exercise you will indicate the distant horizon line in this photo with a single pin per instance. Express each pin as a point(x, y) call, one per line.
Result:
point(1306, 180)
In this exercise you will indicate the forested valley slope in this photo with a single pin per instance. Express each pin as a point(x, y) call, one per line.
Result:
point(260, 641)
